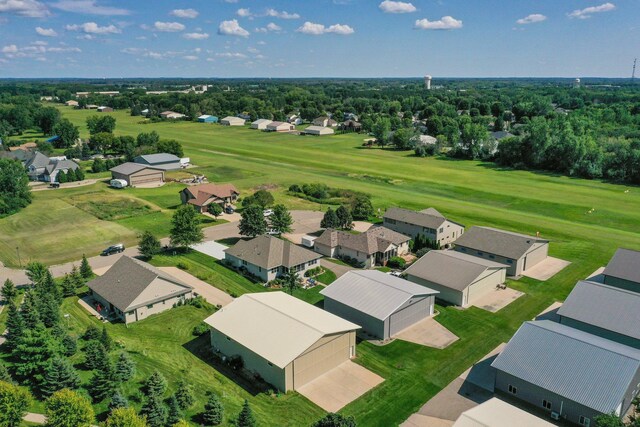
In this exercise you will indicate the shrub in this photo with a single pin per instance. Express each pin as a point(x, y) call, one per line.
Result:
point(295, 188)
point(396, 262)
point(200, 329)
point(422, 252)
point(182, 265)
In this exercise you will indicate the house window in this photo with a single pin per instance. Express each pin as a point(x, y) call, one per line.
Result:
point(442, 229)
point(244, 262)
point(130, 313)
point(584, 421)
point(510, 261)
point(512, 389)
point(480, 253)
point(150, 306)
point(269, 363)
point(260, 269)
point(546, 404)
point(492, 256)
point(228, 339)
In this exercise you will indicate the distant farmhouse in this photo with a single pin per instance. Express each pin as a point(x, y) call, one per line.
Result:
point(374, 247)
point(382, 304)
point(203, 195)
point(428, 222)
point(268, 257)
point(459, 278)
point(132, 290)
point(519, 251)
point(284, 340)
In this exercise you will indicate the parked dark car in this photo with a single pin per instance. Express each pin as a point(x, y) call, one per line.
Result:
point(115, 249)
point(54, 185)
point(229, 210)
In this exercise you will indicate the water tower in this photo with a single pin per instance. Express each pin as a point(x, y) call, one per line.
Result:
point(576, 83)
point(427, 82)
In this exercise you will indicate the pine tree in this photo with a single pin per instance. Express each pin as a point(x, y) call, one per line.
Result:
point(213, 411)
point(29, 311)
point(80, 174)
point(34, 350)
point(245, 417)
point(91, 333)
point(9, 291)
point(4, 373)
point(105, 339)
point(125, 368)
point(154, 410)
point(174, 414)
point(95, 355)
point(155, 385)
point(185, 396)
point(61, 177)
point(118, 401)
point(148, 245)
point(59, 374)
point(71, 175)
point(15, 326)
point(103, 382)
point(70, 345)
point(68, 287)
point(85, 268)
point(76, 277)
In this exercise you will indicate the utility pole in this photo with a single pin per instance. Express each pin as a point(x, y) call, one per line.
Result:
point(633, 73)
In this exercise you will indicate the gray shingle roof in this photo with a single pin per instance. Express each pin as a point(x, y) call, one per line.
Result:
point(375, 239)
point(127, 279)
point(129, 167)
point(154, 159)
point(451, 269)
point(625, 264)
point(604, 306)
point(498, 242)
point(429, 219)
point(270, 252)
point(587, 369)
point(38, 161)
point(374, 292)
point(60, 165)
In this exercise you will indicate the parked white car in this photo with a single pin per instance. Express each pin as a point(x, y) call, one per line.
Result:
point(268, 212)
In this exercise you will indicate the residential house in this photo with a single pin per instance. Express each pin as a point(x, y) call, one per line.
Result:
point(72, 103)
point(373, 247)
point(261, 124)
point(350, 116)
point(459, 278)
point(382, 304)
point(498, 413)
point(574, 375)
point(104, 109)
point(201, 196)
point(132, 290)
point(351, 126)
point(607, 311)
point(137, 174)
point(279, 127)
point(428, 222)
point(623, 271)
point(324, 121)
point(206, 118)
point(164, 161)
point(42, 168)
point(56, 166)
point(268, 257)
point(172, 115)
point(427, 140)
point(318, 130)
point(283, 340)
point(232, 121)
point(519, 251)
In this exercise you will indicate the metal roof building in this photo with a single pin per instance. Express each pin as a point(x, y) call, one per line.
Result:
point(459, 278)
point(567, 371)
point(498, 413)
point(288, 342)
point(623, 270)
point(381, 303)
point(164, 161)
point(603, 310)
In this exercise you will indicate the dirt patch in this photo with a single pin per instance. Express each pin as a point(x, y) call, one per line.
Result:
point(267, 187)
point(111, 208)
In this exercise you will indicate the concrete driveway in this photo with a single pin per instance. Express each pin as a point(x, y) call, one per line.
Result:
point(428, 332)
point(210, 293)
point(546, 269)
point(340, 386)
point(211, 248)
point(338, 269)
point(497, 299)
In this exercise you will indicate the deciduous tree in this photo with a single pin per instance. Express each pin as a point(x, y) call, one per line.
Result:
point(252, 221)
point(185, 230)
point(125, 417)
point(281, 219)
point(330, 219)
point(14, 402)
point(149, 245)
point(67, 408)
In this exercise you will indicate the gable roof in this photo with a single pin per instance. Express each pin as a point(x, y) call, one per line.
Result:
point(451, 269)
point(276, 326)
point(429, 218)
point(375, 239)
point(129, 278)
point(373, 292)
point(625, 265)
point(38, 161)
point(579, 366)
point(261, 121)
point(157, 158)
point(499, 242)
point(203, 192)
point(607, 307)
point(275, 125)
point(498, 413)
point(129, 167)
point(232, 119)
point(61, 164)
point(501, 134)
point(270, 252)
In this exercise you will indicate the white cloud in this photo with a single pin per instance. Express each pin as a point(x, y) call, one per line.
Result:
point(281, 14)
point(271, 27)
point(12, 48)
point(39, 43)
point(190, 57)
point(184, 13)
point(444, 23)
point(46, 32)
point(232, 28)
point(64, 49)
point(587, 12)
point(28, 8)
point(531, 19)
point(234, 55)
point(319, 29)
point(93, 28)
point(388, 6)
point(88, 7)
point(196, 36)
point(243, 13)
point(168, 27)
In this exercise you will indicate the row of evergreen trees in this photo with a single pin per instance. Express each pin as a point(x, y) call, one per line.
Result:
point(70, 176)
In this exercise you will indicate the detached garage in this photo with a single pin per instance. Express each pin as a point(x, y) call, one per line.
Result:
point(459, 278)
point(286, 341)
point(137, 174)
point(381, 303)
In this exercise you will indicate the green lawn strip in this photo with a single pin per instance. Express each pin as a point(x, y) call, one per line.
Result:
point(326, 278)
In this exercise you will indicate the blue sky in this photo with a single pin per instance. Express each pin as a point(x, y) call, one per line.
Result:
point(318, 38)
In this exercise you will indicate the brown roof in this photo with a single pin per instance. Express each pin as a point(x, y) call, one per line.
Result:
point(270, 252)
point(203, 192)
point(376, 239)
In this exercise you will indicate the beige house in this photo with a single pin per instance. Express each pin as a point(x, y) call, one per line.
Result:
point(324, 121)
point(428, 222)
point(201, 196)
point(232, 121)
point(373, 247)
point(133, 290)
point(459, 278)
point(136, 174)
point(268, 257)
point(284, 340)
point(518, 251)
point(71, 103)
